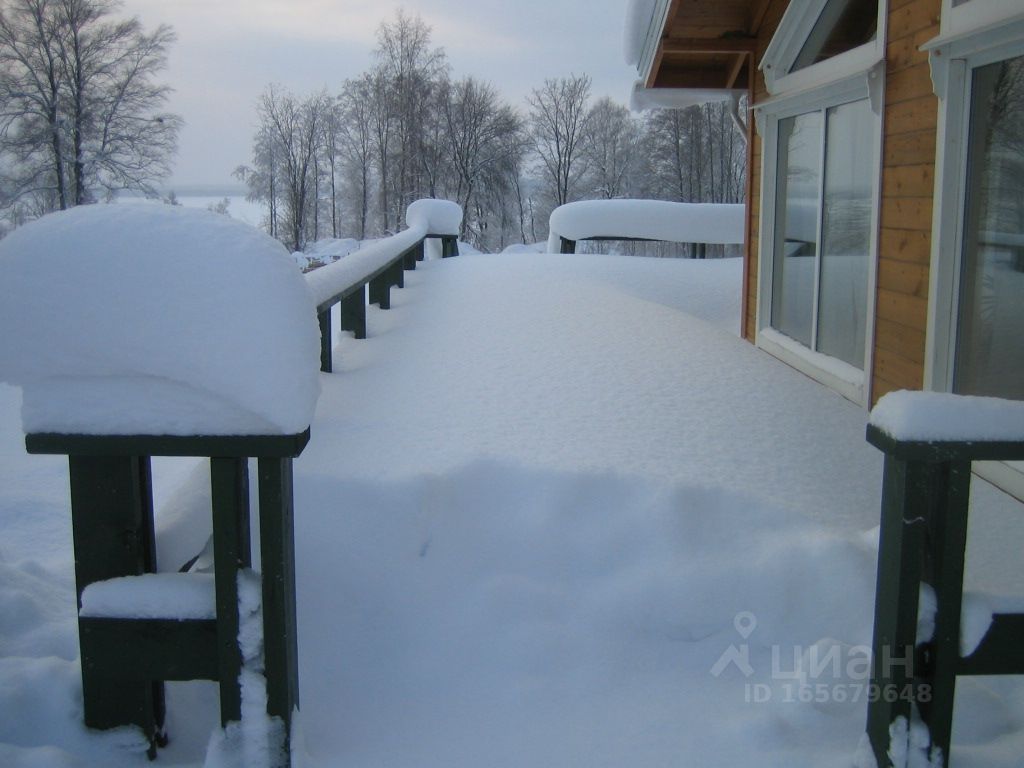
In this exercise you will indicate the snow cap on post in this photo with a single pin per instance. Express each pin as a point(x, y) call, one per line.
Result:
point(434, 217)
point(155, 319)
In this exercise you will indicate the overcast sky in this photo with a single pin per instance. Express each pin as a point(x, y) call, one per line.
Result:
point(228, 50)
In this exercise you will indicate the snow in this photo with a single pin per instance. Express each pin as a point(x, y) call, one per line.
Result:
point(435, 217)
point(650, 219)
point(327, 281)
point(938, 416)
point(155, 319)
point(152, 596)
point(642, 98)
point(536, 503)
point(639, 19)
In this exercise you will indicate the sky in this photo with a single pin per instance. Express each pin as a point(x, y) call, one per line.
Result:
point(227, 51)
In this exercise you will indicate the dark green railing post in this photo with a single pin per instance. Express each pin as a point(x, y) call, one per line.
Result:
point(397, 272)
point(380, 291)
point(229, 479)
point(566, 245)
point(353, 312)
point(906, 492)
point(326, 345)
point(277, 549)
point(449, 246)
point(419, 253)
point(113, 536)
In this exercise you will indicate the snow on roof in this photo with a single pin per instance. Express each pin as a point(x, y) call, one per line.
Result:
point(435, 217)
point(154, 319)
point(639, 17)
point(650, 219)
point(642, 98)
point(936, 416)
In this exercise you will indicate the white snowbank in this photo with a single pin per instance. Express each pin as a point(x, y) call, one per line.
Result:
point(152, 596)
point(651, 219)
point(934, 416)
point(156, 319)
point(436, 217)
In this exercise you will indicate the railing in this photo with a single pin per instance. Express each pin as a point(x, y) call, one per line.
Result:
point(379, 267)
point(699, 224)
point(926, 489)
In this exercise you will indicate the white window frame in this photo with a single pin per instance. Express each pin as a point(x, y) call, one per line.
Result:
point(853, 383)
point(953, 58)
point(794, 29)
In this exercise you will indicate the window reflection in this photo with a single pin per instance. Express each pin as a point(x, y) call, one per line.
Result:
point(990, 340)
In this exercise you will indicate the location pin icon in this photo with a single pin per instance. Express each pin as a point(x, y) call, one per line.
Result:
point(745, 623)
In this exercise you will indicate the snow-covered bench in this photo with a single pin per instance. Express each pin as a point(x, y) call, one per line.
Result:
point(698, 223)
point(379, 266)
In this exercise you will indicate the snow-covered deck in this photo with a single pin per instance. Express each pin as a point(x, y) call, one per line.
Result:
point(550, 507)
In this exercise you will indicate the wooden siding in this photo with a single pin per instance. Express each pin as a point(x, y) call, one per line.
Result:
point(908, 178)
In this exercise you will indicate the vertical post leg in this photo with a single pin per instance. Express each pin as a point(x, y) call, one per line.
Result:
point(277, 549)
point(944, 569)
point(566, 245)
point(419, 252)
point(229, 479)
point(905, 498)
point(112, 524)
point(397, 274)
point(326, 347)
point(380, 291)
point(353, 313)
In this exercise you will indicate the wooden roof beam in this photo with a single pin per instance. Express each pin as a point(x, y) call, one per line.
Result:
point(671, 45)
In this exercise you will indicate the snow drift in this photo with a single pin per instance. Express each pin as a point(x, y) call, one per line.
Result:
point(156, 320)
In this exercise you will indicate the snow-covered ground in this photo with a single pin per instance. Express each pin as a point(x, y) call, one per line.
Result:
point(553, 513)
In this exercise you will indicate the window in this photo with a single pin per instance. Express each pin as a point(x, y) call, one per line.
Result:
point(819, 41)
point(820, 190)
point(975, 336)
point(989, 353)
point(842, 26)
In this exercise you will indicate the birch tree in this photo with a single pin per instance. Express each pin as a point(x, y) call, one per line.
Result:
point(558, 119)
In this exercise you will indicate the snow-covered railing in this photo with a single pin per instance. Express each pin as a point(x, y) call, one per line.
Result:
point(920, 643)
point(380, 266)
point(697, 223)
point(152, 330)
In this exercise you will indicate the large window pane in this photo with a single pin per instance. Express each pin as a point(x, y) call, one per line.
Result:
point(796, 226)
point(990, 340)
point(846, 232)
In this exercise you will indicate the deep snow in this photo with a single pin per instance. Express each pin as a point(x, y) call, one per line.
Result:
point(553, 512)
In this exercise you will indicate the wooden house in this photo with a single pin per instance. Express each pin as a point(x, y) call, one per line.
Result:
point(885, 232)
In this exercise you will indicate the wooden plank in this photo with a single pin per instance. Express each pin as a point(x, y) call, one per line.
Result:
point(906, 342)
point(911, 311)
point(909, 181)
point(909, 83)
point(675, 45)
point(166, 445)
point(915, 148)
point(892, 367)
point(881, 387)
point(906, 51)
point(907, 213)
point(913, 17)
point(913, 115)
point(903, 277)
point(906, 245)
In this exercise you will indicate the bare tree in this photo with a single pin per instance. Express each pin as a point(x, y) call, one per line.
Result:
point(558, 119)
point(81, 111)
point(610, 146)
point(357, 138)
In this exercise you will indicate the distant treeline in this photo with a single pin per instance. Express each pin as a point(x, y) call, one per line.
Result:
point(348, 164)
